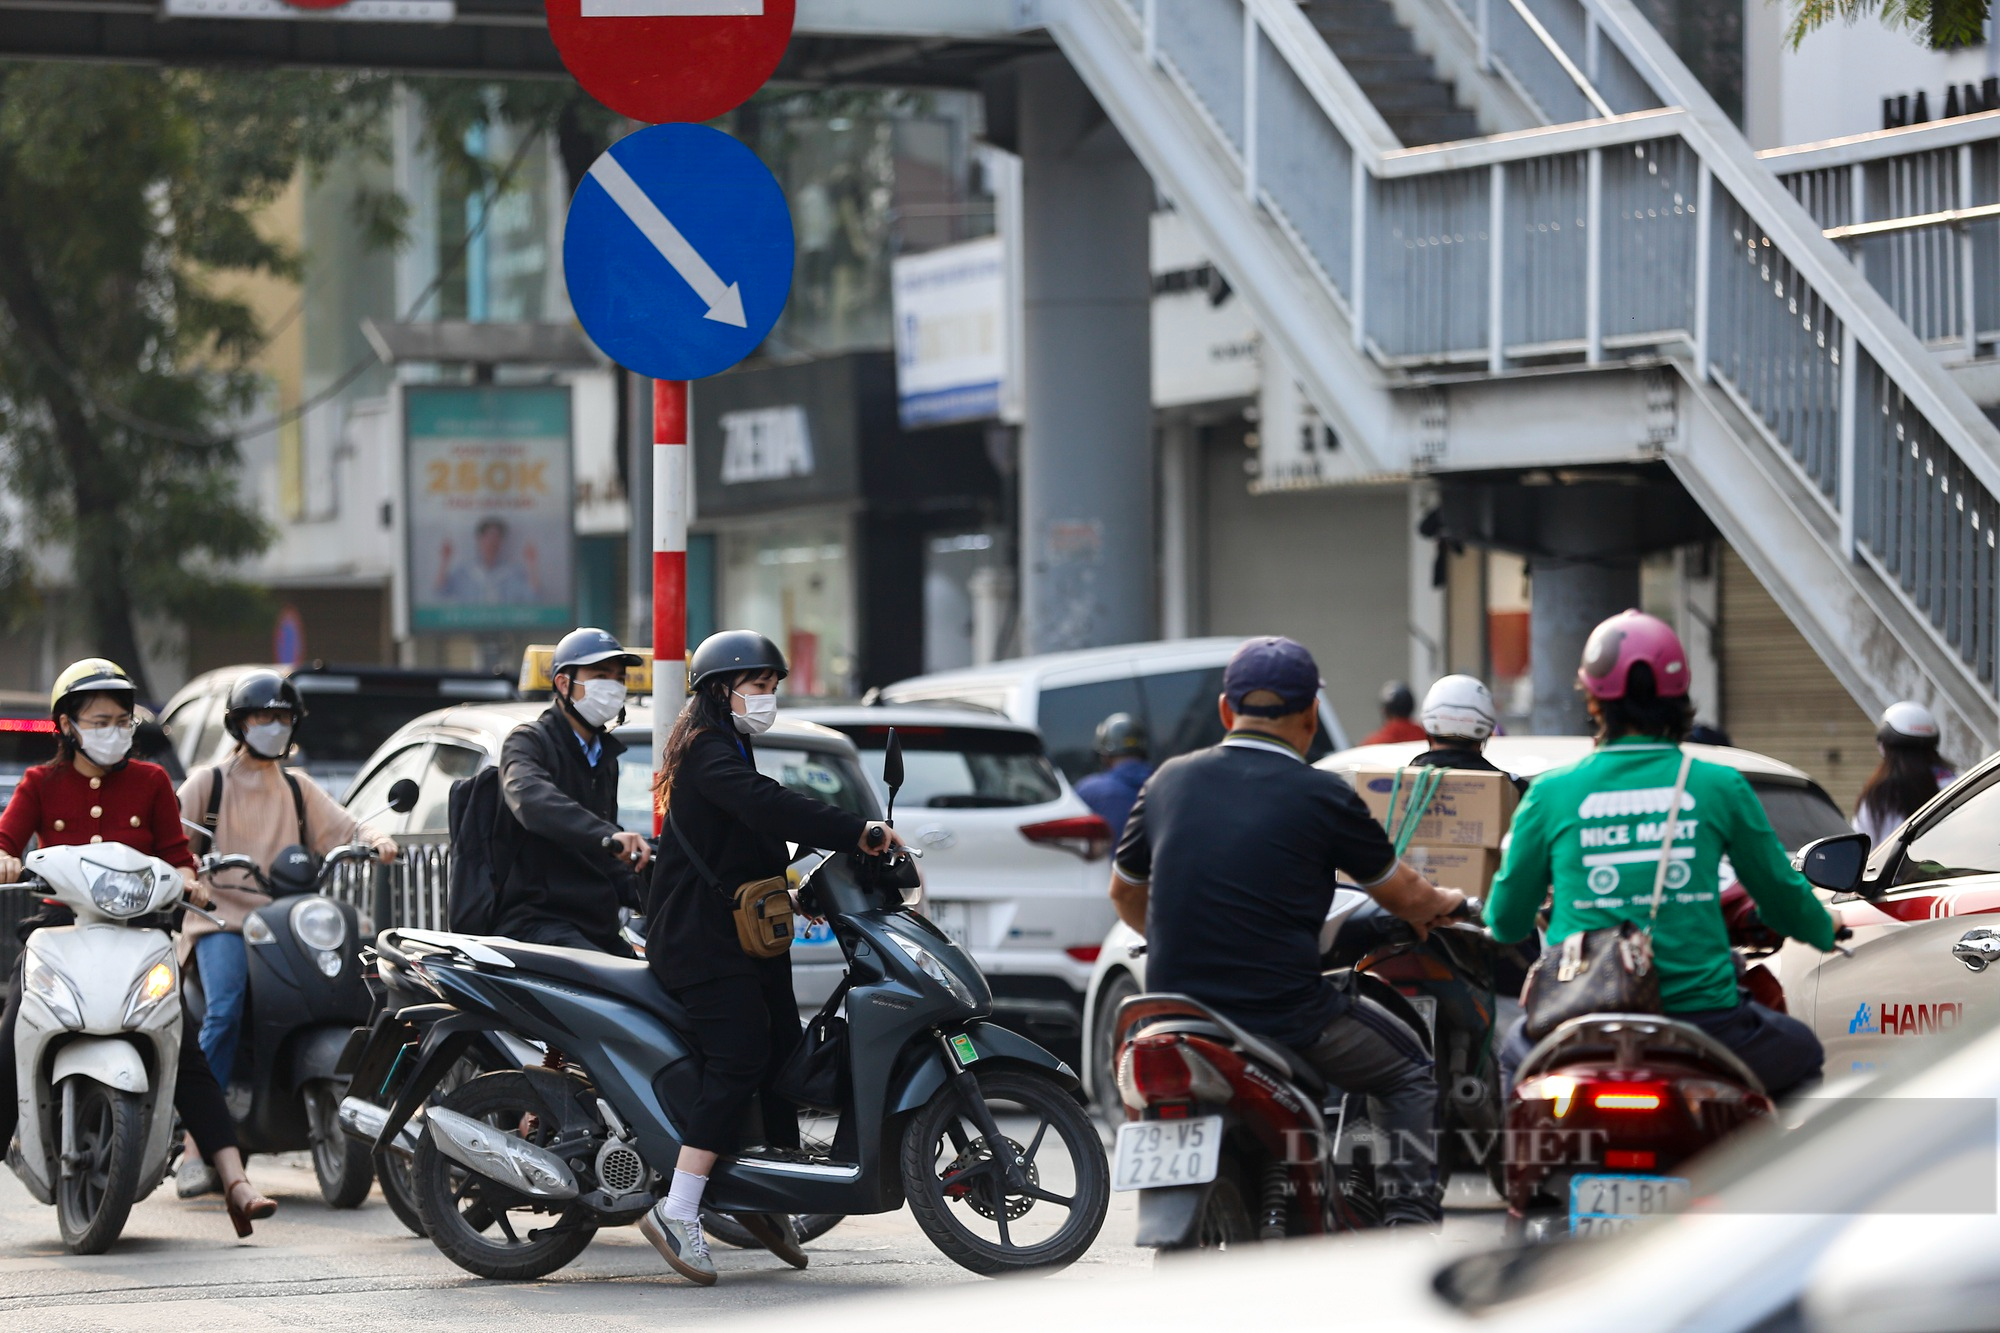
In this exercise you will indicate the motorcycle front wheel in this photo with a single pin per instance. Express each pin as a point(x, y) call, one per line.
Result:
point(344, 1166)
point(482, 1227)
point(957, 1183)
point(95, 1193)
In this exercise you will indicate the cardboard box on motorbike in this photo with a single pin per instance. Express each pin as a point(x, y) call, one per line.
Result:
point(1457, 840)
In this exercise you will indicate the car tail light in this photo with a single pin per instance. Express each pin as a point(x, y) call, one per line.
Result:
point(1086, 835)
point(1628, 1096)
point(36, 724)
point(1084, 953)
point(1166, 1069)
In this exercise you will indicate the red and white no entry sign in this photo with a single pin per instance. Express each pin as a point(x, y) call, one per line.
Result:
point(671, 60)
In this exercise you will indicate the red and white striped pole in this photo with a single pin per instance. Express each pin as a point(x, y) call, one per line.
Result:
point(670, 531)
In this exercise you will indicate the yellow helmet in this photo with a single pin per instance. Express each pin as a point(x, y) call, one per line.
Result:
point(92, 675)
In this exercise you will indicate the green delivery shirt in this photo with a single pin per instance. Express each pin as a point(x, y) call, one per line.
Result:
point(1592, 830)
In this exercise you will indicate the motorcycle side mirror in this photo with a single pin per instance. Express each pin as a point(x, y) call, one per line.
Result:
point(892, 770)
point(1835, 863)
point(403, 796)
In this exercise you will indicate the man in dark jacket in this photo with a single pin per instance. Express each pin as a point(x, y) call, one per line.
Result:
point(572, 867)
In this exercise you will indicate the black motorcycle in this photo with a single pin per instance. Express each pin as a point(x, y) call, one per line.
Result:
point(305, 994)
point(981, 1131)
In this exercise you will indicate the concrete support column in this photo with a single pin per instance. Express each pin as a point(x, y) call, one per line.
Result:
point(1568, 600)
point(1087, 489)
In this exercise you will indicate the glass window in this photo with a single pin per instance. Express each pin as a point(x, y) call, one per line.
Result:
point(962, 768)
point(1180, 710)
point(347, 728)
point(208, 746)
point(372, 793)
point(1800, 815)
point(447, 765)
point(184, 726)
point(1068, 717)
point(635, 786)
point(1965, 840)
point(793, 581)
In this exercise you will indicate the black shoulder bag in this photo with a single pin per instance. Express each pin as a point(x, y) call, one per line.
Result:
point(815, 1073)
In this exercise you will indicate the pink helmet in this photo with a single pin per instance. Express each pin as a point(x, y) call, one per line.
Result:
point(1626, 638)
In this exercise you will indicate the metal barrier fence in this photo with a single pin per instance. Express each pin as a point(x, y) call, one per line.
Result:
point(1652, 230)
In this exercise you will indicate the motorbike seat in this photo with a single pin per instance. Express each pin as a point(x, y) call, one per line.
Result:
point(1210, 1024)
point(626, 979)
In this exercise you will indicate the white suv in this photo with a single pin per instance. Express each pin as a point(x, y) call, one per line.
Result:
point(1015, 864)
point(1171, 686)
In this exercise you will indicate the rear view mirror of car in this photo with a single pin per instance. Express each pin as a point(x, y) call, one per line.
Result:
point(1835, 863)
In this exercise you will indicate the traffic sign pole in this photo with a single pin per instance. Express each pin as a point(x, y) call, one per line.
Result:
point(670, 492)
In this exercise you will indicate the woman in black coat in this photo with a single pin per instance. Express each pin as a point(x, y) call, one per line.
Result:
point(725, 816)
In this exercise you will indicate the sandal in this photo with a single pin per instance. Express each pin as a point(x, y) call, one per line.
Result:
point(246, 1205)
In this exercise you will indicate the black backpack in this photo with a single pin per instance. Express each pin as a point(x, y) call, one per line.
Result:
point(481, 829)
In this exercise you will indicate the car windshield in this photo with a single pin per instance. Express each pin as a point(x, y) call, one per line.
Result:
point(962, 768)
point(1799, 815)
point(822, 774)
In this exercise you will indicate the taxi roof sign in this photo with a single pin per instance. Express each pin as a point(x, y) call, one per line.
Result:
point(539, 657)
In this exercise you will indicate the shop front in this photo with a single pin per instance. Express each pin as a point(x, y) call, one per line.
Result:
point(831, 525)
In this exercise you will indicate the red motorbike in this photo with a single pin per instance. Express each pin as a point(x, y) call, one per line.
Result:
point(1232, 1137)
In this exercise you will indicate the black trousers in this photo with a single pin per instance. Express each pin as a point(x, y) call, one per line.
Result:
point(197, 1096)
point(744, 1028)
point(563, 935)
point(1781, 1051)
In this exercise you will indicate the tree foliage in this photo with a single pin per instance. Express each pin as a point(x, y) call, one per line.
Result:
point(1942, 23)
point(125, 196)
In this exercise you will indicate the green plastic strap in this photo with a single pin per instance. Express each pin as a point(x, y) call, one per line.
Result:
point(1423, 789)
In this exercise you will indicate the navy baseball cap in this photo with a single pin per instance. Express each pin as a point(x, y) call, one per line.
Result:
point(1274, 663)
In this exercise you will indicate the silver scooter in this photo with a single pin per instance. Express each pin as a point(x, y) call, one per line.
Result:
point(97, 1046)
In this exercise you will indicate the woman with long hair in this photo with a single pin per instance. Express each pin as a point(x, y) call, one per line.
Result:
point(726, 824)
point(1909, 774)
point(94, 791)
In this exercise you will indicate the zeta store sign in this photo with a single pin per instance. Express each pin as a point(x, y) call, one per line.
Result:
point(766, 444)
point(491, 508)
point(951, 333)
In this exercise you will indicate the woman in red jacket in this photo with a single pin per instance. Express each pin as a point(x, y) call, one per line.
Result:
point(92, 792)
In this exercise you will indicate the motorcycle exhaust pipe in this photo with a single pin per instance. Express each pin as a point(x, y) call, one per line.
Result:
point(507, 1159)
point(364, 1121)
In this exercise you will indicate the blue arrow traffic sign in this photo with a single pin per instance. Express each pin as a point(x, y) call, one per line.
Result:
point(678, 252)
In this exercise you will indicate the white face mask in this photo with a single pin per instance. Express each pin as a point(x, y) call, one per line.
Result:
point(600, 702)
point(105, 746)
point(759, 712)
point(268, 740)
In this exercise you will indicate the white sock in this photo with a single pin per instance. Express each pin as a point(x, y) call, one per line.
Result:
point(684, 1199)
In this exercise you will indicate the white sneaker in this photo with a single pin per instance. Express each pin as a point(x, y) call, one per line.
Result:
point(680, 1243)
point(195, 1178)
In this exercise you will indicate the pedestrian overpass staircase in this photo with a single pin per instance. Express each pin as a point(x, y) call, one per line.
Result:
point(1624, 279)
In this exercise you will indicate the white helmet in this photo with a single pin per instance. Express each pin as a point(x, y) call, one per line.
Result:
point(1907, 723)
point(1459, 708)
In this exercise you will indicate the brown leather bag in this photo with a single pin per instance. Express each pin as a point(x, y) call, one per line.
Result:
point(762, 908)
point(1608, 970)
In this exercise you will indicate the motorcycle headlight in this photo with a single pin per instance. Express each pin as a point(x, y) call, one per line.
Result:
point(53, 989)
point(122, 893)
point(928, 963)
point(156, 985)
point(319, 924)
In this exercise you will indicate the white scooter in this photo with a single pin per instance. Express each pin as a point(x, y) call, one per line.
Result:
point(97, 1046)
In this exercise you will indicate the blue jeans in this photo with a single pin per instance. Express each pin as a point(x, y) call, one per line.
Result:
point(225, 981)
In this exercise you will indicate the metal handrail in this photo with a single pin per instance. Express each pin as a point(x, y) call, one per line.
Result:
point(1405, 246)
point(1876, 145)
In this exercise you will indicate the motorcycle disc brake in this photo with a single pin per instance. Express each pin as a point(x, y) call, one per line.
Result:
point(977, 1189)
